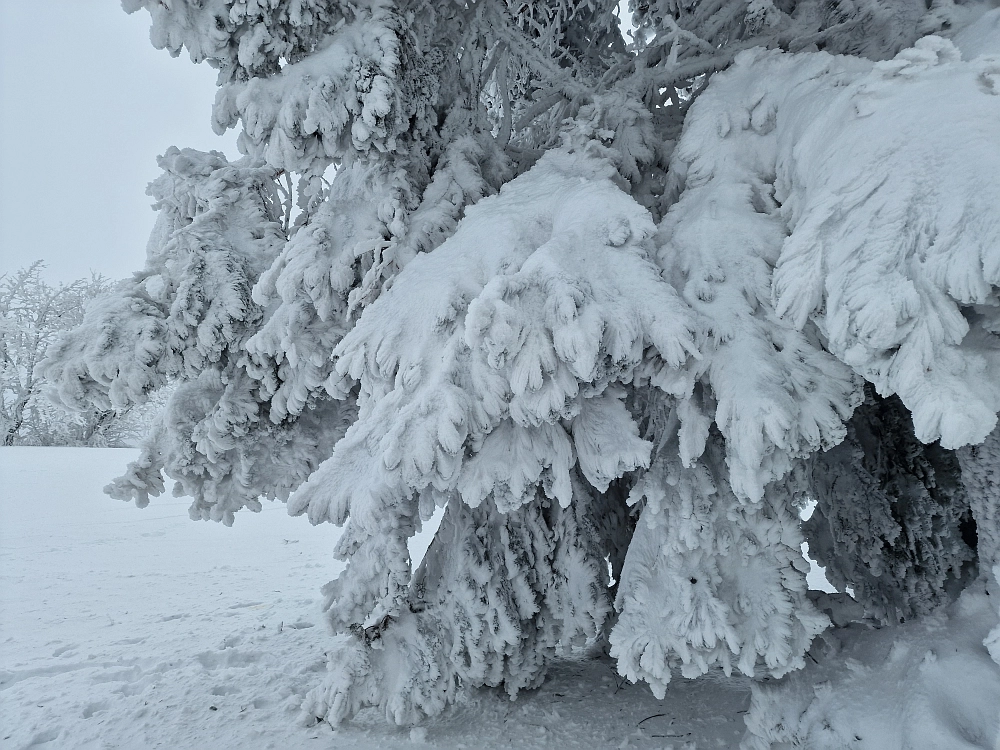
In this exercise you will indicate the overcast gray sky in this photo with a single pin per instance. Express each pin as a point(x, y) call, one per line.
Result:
point(86, 105)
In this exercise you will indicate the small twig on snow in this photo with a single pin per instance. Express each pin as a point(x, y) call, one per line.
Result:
point(654, 716)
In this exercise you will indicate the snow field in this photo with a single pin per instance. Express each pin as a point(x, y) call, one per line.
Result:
point(127, 628)
point(122, 628)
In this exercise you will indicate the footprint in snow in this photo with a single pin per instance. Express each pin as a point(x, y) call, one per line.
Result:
point(43, 738)
point(92, 708)
point(227, 658)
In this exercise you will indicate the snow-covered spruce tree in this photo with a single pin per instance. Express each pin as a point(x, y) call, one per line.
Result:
point(981, 480)
point(891, 513)
point(601, 302)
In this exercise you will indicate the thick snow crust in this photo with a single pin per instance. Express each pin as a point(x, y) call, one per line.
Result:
point(833, 202)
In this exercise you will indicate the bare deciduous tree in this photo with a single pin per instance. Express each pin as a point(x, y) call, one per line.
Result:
point(32, 313)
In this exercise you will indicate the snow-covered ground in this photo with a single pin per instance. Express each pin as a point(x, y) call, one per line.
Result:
point(122, 628)
point(127, 628)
